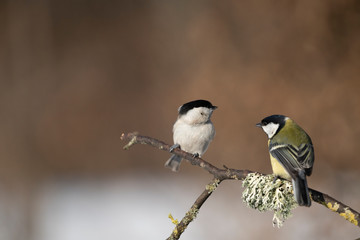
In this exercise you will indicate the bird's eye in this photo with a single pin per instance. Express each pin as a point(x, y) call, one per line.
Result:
point(202, 113)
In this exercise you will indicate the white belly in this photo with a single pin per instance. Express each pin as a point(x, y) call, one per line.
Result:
point(193, 138)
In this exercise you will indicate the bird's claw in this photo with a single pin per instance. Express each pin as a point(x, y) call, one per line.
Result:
point(276, 177)
point(172, 148)
point(195, 155)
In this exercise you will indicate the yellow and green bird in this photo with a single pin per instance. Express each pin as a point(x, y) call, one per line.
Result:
point(291, 153)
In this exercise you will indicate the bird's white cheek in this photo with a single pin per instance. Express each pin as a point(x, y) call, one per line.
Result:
point(270, 129)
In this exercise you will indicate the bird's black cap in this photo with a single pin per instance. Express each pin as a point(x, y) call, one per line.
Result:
point(280, 119)
point(195, 104)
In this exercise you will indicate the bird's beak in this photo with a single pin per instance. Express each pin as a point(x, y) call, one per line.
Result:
point(259, 125)
point(214, 107)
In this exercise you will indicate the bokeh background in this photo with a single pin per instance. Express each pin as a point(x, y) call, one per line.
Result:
point(76, 74)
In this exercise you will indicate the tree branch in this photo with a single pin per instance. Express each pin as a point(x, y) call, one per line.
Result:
point(229, 174)
point(218, 173)
point(194, 210)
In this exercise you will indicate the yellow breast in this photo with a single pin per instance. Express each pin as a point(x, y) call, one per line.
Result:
point(278, 169)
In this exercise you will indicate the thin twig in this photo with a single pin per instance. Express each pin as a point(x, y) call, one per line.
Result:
point(233, 174)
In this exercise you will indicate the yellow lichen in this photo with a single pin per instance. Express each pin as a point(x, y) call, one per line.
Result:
point(333, 208)
point(212, 186)
point(174, 221)
point(192, 213)
point(350, 216)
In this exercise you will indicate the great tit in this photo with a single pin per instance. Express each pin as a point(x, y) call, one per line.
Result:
point(291, 153)
point(193, 130)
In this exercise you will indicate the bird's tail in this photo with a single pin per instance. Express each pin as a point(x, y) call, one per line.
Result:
point(301, 191)
point(173, 163)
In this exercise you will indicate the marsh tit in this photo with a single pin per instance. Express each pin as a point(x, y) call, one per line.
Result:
point(291, 153)
point(192, 131)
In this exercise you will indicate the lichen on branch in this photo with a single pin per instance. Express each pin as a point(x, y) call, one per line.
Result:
point(264, 194)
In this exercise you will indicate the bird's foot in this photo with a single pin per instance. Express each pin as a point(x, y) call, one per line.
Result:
point(172, 148)
point(195, 155)
point(276, 177)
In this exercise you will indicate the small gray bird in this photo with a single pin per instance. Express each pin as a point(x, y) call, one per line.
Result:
point(193, 131)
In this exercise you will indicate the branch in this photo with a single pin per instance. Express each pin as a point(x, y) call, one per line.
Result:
point(231, 174)
point(194, 210)
point(220, 174)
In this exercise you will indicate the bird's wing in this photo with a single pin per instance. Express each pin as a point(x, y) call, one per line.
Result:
point(294, 158)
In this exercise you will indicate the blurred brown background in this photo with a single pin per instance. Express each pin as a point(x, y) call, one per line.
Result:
point(74, 75)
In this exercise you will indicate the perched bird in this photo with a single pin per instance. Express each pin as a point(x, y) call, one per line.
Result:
point(192, 131)
point(291, 153)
